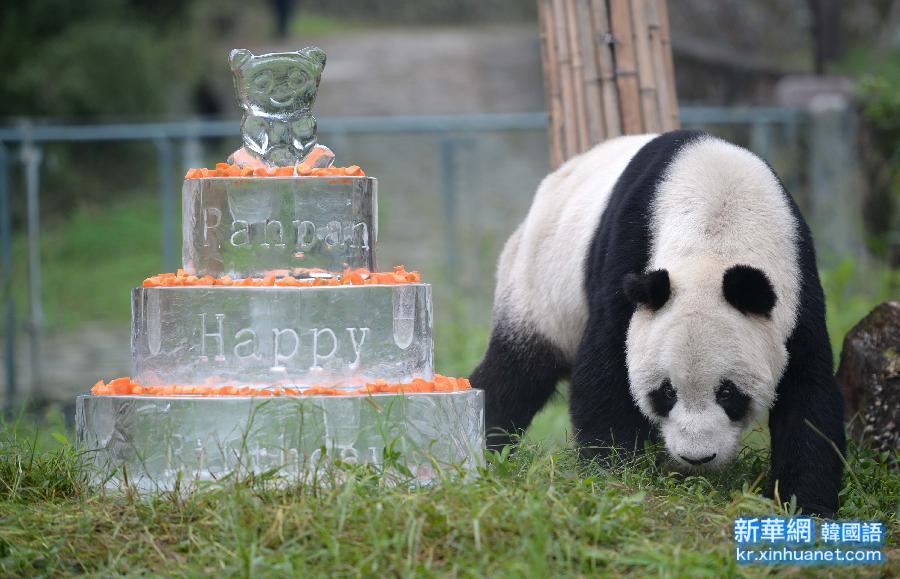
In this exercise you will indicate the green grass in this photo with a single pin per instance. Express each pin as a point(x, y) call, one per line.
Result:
point(537, 513)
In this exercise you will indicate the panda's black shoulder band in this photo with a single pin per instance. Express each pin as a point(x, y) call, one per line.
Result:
point(651, 289)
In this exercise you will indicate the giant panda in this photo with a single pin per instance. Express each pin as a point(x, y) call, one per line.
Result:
point(672, 280)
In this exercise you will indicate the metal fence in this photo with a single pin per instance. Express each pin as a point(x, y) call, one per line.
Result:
point(762, 129)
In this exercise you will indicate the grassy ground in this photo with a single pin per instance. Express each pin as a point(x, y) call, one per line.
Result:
point(538, 513)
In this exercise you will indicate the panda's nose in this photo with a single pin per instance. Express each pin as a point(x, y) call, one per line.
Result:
point(703, 460)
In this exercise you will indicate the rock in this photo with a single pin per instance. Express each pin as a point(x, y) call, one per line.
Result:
point(869, 375)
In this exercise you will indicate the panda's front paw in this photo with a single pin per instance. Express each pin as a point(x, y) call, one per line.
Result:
point(819, 506)
point(817, 509)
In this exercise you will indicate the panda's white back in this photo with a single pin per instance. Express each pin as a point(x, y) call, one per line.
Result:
point(540, 277)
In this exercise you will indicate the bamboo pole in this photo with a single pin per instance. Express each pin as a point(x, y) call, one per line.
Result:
point(603, 43)
point(564, 58)
point(659, 66)
point(579, 88)
point(551, 82)
point(626, 67)
point(593, 82)
point(608, 71)
point(662, 12)
point(645, 69)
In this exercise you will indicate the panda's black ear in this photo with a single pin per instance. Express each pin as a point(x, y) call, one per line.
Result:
point(651, 289)
point(749, 290)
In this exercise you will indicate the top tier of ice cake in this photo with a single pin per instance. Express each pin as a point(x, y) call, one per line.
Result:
point(248, 226)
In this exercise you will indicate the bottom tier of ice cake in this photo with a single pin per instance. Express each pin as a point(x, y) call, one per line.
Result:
point(163, 442)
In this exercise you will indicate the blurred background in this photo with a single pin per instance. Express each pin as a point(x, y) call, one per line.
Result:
point(106, 103)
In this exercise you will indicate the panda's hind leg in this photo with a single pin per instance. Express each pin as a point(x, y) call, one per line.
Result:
point(518, 374)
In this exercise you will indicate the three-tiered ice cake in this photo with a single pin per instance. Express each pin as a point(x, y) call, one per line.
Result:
point(278, 344)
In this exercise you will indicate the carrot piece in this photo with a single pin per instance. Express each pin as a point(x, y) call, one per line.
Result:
point(99, 388)
point(419, 385)
point(443, 384)
point(322, 391)
point(354, 171)
point(352, 277)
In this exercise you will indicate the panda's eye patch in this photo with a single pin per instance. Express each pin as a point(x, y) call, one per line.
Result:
point(726, 391)
point(669, 390)
point(735, 403)
point(663, 398)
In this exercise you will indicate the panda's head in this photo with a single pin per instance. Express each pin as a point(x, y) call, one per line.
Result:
point(703, 356)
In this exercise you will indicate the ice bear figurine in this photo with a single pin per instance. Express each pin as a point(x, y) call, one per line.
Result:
point(276, 92)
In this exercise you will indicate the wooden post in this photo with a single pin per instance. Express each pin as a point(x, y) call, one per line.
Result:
point(607, 71)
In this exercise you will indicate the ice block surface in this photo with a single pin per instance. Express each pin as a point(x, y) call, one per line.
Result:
point(329, 336)
point(156, 438)
point(247, 226)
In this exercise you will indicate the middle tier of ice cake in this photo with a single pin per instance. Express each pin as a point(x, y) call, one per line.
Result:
point(247, 226)
point(341, 336)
